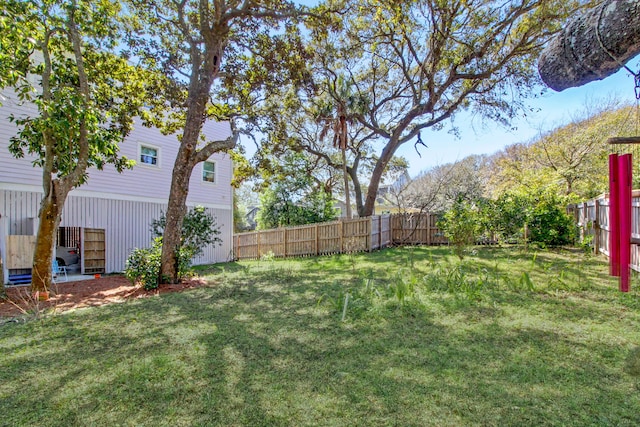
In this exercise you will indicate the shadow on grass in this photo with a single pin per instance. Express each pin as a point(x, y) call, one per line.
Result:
point(256, 349)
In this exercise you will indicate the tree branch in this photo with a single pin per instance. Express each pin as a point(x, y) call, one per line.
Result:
point(592, 46)
point(72, 179)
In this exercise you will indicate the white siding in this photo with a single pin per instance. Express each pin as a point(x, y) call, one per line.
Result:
point(122, 204)
point(155, 182)
point(18, 207)
point(126, 223)
point(148, 183)
point(12, 170)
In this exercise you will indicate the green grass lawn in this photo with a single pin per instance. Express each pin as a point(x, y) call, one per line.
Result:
point(507, 337)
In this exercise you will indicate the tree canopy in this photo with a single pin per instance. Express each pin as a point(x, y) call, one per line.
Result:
point(419, 63)
point(571, 158)
point(202, 48)
point(86, 100)
point(294, 199)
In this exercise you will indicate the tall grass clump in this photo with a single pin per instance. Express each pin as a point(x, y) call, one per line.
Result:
point(419, 276)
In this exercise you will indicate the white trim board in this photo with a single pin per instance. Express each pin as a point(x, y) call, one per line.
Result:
point(108, 196)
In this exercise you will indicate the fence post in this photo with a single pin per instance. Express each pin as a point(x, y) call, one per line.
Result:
point(317, 238)
point(391, 220)
point(235, 247)
point(596, 228)
point(258, 239)
point(428, 229)
point(577, 213)
point(341, 236)
point(286, 241)
point(388, 241)
point(585, 218)
point(369, 238)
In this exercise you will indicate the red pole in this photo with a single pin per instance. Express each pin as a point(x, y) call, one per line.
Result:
point(614, 233)
point(624, 202)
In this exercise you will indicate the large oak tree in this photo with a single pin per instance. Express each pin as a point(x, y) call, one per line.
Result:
point(321, 121)
point(421, 62)
point(203, 46)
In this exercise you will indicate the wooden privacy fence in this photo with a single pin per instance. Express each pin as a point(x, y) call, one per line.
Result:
point(344, 236)
point(592, 218)
point(416, 229)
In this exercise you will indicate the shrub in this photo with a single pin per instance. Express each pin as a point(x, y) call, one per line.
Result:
point(460, 225)
point(509, 214)
point(550, 225)
point(542, 211)
point(199, 229)
point(143, 265)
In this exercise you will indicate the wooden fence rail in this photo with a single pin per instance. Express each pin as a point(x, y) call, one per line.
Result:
point(592, 218)
point(344, 236)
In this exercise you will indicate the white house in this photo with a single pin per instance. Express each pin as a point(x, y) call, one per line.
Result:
point(111, 214)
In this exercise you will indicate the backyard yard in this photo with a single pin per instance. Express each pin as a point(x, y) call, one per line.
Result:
point(401, 337)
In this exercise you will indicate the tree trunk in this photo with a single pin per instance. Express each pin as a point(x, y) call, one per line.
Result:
point(56, 190)
point(347, 196)
point(357, 189)
point(172, 237)
point(376, 176)
point(49, 217)
point(188, 157)
point(204, 69)
point(592, 46)
point(177, 205)
point(569, 186)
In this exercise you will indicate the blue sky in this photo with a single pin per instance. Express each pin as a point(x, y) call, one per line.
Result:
point(555, 109)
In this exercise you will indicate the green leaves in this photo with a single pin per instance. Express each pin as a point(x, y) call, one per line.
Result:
point(461, 225)
point(293, 199)
point(549, 224)
point(199, 229)
point(17, 42)
point(83, 132)
point(143, 265)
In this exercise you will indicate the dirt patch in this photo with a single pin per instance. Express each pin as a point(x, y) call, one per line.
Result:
point(84, 293)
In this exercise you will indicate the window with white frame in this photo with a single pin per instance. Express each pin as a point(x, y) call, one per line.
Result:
point(149, 155)
point(209, 171)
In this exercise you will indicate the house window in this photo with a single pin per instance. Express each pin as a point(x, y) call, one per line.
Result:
point(209, 172)
point(149, 155)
